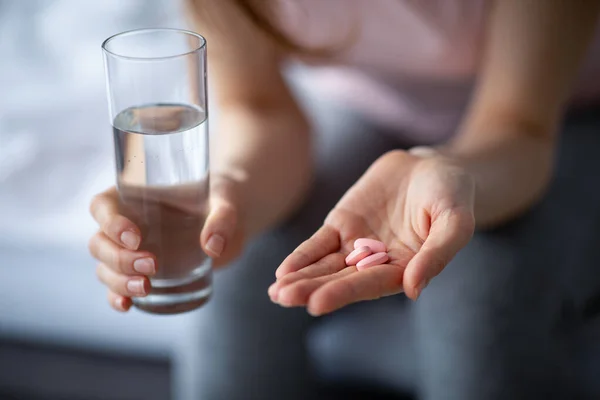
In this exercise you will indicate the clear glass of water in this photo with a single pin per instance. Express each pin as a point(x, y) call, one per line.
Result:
point(156, 81)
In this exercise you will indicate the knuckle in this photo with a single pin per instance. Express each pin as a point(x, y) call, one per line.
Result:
point(93, 245)
point(116, 283)
point(228, 208)
point(437, 262)
point(110, 227)
point(119, 286)
point(226, 216)
point(100, 273)
point(459, 218)
point(97, 202)
point(465, 222)
point(114, 225)
point(293, 263)
point(120, 259)
point(301, 258)
point(94, 204)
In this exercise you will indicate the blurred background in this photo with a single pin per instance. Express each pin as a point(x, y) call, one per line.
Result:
point(58, 337)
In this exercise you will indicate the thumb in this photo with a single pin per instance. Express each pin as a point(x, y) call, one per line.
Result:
point(221, 238)
point(449, 233)
point(219, 228)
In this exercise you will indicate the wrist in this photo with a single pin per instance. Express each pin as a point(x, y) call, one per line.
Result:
point(510, 175)
point(441, 153)
point(271, 168)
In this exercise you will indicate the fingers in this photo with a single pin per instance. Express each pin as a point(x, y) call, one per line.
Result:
point(449, 233)
point(104, 209)
point(114, 245)
point(369, 284)
point(328, 265)
point(128, 286)
point(325, 241)
point(118, 302)
point(120, 260)
point(298, 292)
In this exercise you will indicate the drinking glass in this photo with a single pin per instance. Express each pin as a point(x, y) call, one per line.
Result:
point(156, 80)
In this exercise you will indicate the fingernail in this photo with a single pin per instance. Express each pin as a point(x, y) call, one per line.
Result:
point(119, 303)
point(136, 286)
point(130, 239)
point(215, 244)
point(421, 287)
point(144, 266)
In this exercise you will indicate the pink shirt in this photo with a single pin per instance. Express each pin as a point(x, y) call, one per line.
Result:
point(410, 64)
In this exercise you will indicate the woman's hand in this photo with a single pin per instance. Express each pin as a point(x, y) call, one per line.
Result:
point(126, 270)
point(420, 204)
point(249, 192)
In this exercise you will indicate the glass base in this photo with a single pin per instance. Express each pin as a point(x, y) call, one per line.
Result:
point(174, 296)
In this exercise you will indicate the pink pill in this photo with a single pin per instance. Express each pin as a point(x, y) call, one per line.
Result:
point(358, 255)
point(373, 259)
point(375, 245)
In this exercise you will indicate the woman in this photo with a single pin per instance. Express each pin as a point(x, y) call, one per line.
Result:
point(495, 305)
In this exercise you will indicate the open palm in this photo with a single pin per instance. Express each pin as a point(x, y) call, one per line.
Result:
point(420, 207)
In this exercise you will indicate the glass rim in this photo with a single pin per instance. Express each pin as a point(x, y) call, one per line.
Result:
point(148, 30)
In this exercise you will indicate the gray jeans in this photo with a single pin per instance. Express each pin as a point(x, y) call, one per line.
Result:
point(498, 323)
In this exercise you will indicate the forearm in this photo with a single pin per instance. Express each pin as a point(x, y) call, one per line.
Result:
point(533, 50)
point(266, 152)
